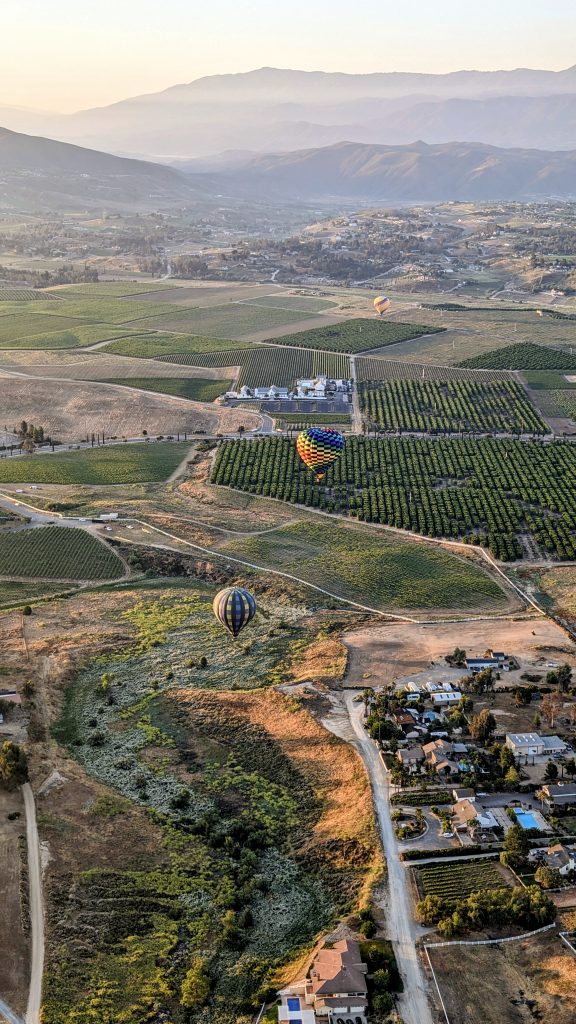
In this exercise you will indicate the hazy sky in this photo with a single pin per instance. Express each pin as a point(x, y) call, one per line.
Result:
point(70, 54)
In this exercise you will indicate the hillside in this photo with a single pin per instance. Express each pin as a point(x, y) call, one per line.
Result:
point(419, 172)
point(40, 174)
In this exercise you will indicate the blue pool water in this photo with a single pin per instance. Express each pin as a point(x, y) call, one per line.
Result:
point(527, 820)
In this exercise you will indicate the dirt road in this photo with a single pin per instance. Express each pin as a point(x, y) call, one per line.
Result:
point(413, 1004)
point(36, 908)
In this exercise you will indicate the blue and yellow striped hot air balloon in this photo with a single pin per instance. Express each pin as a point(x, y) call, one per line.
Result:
point(382, 304)
point(319, 448)
point(234, 607)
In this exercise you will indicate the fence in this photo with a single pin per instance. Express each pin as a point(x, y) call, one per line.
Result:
point(489, 942)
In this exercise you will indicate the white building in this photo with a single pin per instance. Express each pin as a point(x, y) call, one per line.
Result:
point(446, 698)
point(531, 744)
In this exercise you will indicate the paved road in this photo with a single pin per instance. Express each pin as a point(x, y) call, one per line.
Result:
point(36, 908)
point(7, 1014)
point(413, 1004)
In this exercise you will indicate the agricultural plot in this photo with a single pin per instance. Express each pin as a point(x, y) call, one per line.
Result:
point(233, 320)
point(357, 335)
point(153, 346)
point(15, 327)
point(379, 368)
point(565, 400)
point(24, 294)
point(75, 337)
point(111, 289)
point(196, 389)
point(263, 366)
point(14, 593)
point(116, 464)
point(114, 310)
point(57, 552)
point(376, 570)
point(458, 879)
point(523, 356)
point(548, 380)
point(304, 303)
point(450, 406)
point(486, 491)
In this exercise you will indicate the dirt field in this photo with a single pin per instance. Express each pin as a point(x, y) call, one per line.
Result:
point(13, 942)
point(397, 651)
point(515, 983)
point(70, 410)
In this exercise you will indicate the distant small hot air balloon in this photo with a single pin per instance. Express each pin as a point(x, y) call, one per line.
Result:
point(382, 304)
point(234, 607)
point(319, 448)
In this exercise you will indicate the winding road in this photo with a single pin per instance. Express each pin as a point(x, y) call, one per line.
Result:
point(401, 928)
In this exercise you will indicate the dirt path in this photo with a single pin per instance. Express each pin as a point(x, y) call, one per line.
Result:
point(400, 926)
point(36, 908)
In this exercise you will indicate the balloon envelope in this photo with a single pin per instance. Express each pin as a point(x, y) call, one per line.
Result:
point(234, 607)
point(382, 304)
point(319, 448)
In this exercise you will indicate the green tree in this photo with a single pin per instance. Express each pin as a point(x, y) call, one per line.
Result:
point(551, 773)
point(516, 846)
point(564, 677)
point(13, 765)
point(482, 725)
point(512, 777)
point(196, 985)
point(548, 878)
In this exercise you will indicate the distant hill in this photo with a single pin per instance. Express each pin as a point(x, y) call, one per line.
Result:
point(465, 171)
point(38, 174)
point(274, 110)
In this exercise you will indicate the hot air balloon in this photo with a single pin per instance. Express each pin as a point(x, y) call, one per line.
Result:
point(319, 448)
point(382, 304)
point(234, 607)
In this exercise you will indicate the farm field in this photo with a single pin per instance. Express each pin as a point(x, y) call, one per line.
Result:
point(459, 878)
point(508, 983)
point(73, 337)
point(116, 464)
point(449, 406)
point(305, 303)
point(233, 320)
point(548, 380)
point(8, 294)
point(152, 346)
point(57, 552)
point(111, 289)
point(263, 366)
point(356, 335)
point(375, 569)
point(196, 389)
point(380, 368)
point(523, 356)
point(96, 365)
point(19, 593)
point(16, 327)
point(434, 487)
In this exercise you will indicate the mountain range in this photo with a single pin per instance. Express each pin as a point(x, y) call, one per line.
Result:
point(274, 110)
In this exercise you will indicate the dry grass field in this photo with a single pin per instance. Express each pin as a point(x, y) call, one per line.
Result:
point(514, 983)
point(99, 365)
point(13, 941)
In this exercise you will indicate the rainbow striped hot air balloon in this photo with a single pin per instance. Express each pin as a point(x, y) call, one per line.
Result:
point(319, 448)
point(382, 304)
point(234, 607)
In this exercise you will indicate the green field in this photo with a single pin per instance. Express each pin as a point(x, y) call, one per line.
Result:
point(12, 593)
point(292, 419)
point(116, 464)
point(548, 380)
point(196, 389)
point(304, 303)
point(489, 492)
point(233, 320)
point(565, 401)
point(76, 337)
point(357, 335)
point(435, 406)
point(57, 552)
point(113, 310)
point(380, 368)
point(24, 294)
point(374, 569)
point(14, 327)
point(110, 289)
point(523, 356)
point(458, 880)
point(153, 346)
point(262, 366)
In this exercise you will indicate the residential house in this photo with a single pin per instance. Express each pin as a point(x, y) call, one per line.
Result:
point(561, 858)
point(470, 815)
point(411, 758)
point(446, 698)
point(439, 754)
point(479, 664)
point(405, 720)
point(462, 793)
point(560, 794)
point(334, 991)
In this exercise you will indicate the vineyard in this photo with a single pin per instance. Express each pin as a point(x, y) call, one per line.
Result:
point(303, 303)
point(357, 335)
point(548, 380)
point(262, 366)
point(457, 880)
point(489, 492)
point(195, 389)
point(14, 327)
point(24, 295)
point(432, 406)
point(154, 346)
point(116, 464)
point(57, 552)
point(375, 569)
point(233, 320)
point(379, 368)
point(524, 356)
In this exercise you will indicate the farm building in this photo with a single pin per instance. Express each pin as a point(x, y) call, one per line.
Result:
point(334, 990)
point(446, 698)
point(531, 744)
point(479, 664)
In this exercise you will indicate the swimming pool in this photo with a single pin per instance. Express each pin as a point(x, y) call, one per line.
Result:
point(527, 820)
